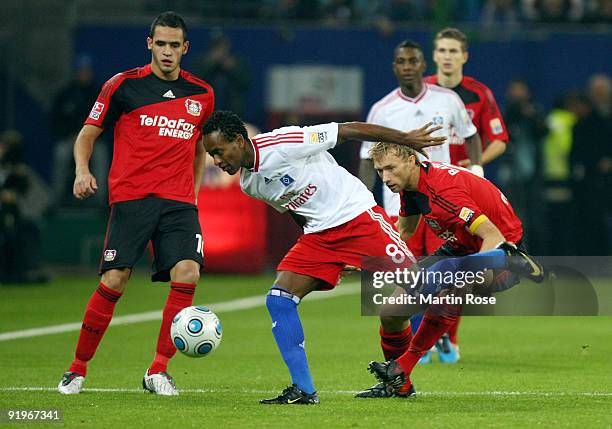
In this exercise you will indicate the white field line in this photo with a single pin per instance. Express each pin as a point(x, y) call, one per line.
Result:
point(219, 307)
point(328, 392)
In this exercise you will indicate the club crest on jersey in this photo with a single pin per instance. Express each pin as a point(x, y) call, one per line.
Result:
point(96, 110)
point(437, 120)
point(193, 107)
point(109, 255)
point(318, 137)
point(287, 180)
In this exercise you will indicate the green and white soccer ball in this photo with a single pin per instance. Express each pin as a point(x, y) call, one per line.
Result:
point(196, 331)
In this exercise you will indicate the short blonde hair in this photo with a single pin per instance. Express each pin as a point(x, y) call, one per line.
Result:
point(381, 148)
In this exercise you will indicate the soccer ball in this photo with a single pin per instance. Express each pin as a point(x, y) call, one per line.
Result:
point(196, 331)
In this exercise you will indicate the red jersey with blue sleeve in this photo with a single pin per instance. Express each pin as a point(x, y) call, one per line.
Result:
point(454, 202)
point(157, 124)
point(482, 108)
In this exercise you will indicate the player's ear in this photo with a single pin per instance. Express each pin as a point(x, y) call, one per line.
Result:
point(185, 46)
point(149, 43)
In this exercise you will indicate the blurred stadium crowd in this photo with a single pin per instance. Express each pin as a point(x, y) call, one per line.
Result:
point(557, 170)
point(383, 12)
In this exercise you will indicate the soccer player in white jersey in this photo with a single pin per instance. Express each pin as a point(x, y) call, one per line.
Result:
point(291, 170)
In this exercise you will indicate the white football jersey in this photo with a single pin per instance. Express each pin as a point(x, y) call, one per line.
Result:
point(434, 104)
point(293, 171)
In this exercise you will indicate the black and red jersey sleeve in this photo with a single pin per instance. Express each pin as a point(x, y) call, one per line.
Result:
point(457, 208)
point(491, 123)
point(413, 203)
point(107, 108)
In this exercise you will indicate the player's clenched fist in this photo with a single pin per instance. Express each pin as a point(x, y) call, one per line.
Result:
point(85, 185)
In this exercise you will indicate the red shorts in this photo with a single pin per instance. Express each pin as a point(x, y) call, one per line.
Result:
point(324, 254)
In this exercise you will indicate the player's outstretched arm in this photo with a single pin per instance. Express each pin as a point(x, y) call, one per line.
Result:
point(85, 184)
point(417, 139)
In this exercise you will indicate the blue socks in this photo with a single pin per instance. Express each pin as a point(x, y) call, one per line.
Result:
point(289, 335)
point(489, 259)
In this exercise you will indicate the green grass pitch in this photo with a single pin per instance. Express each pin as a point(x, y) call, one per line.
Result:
point(514, 371)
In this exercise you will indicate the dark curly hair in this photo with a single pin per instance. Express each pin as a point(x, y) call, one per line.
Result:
point(227, 123)
point(410, 44)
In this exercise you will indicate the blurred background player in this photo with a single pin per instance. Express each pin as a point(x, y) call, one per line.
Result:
point(24, 198)
point(450, 54)
point(226, 71)
point(291, 170)
point(157, 112)
point(71, 104)
point(411, 105)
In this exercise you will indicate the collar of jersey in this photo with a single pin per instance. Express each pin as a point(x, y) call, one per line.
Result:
point(416, 99)
point(255, 168)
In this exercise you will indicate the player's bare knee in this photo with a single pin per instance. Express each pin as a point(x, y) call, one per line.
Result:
point(116, 279)
point(296, 284)
point(186, 272)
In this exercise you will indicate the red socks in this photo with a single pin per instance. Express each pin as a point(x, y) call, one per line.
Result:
point(394, 344)
point(436, 321)
point(98, 314)
point(452, 331)
point(180, 296)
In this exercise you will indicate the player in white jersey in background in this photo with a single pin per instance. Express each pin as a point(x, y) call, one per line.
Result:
point(413, 104)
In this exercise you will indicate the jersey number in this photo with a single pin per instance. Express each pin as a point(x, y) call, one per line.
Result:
point(396, 254)
point(200, 245)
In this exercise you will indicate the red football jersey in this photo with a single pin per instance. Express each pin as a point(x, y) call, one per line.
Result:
point(454, 202)
point(157, 125)
point(481, 106)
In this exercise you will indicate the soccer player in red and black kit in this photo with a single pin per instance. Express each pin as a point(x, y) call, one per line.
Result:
point(471, 215)
point(450, 54)
point(157, 112)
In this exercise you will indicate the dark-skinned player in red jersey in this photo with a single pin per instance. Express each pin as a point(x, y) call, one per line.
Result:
point(450, 54)
point(471, 215)
point(157, 112)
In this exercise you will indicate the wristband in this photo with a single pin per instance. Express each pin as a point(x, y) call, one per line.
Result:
point(477, 170)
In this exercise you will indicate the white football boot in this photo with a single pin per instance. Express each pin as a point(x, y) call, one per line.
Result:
point(71, 383)
point(160, 384)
